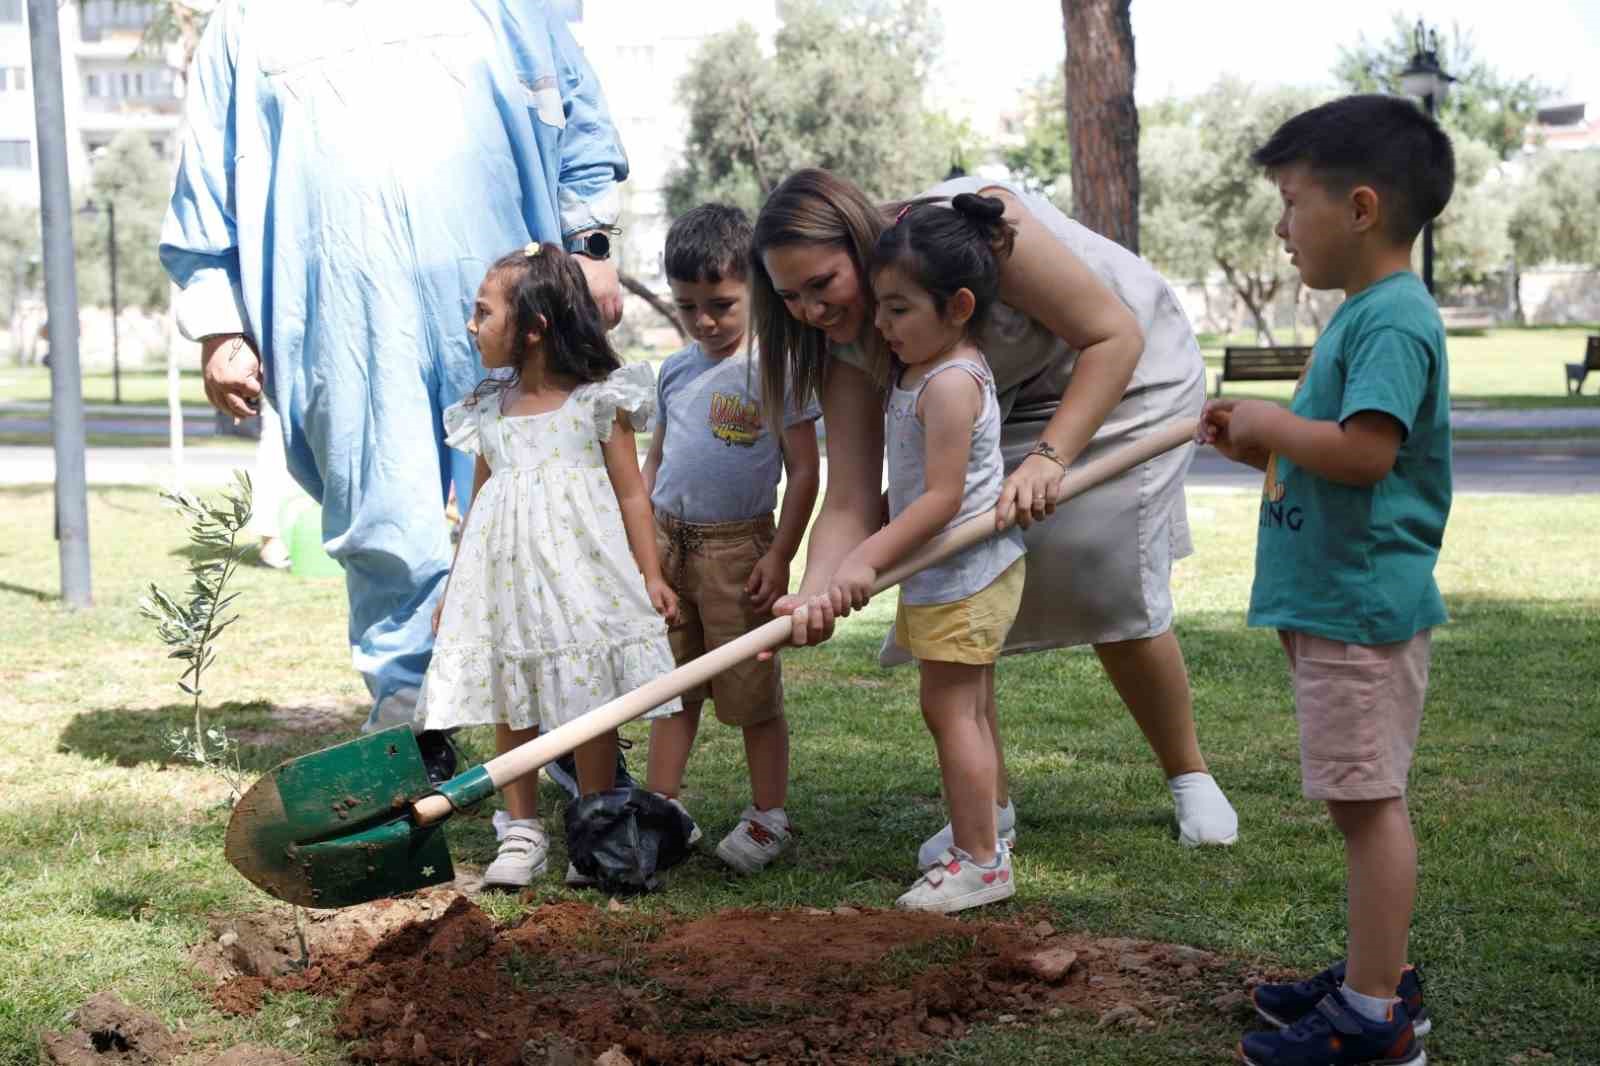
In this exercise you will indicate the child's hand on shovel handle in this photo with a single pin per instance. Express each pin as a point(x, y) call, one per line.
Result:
point(813, 618)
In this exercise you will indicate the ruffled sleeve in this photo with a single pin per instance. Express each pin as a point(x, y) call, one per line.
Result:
point(461, 427)
point(631, 390)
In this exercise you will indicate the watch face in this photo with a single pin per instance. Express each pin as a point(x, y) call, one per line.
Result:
point(597, 246)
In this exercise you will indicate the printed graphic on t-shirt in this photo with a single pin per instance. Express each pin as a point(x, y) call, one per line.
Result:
point(1273, 512)
point(734, 419)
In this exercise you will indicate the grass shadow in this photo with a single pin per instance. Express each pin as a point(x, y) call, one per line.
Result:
point(132, 736)
point(22, 590)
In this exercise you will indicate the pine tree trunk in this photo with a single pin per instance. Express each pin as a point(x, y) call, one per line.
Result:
point(1102, 120)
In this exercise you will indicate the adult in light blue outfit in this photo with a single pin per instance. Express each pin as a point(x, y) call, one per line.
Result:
point(349, 171)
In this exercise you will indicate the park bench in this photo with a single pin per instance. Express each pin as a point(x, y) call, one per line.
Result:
point(1263, 364)
point(1576, 372)
point(1468, 318)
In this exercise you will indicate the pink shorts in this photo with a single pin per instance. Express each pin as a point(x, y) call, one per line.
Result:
point(1360, 709)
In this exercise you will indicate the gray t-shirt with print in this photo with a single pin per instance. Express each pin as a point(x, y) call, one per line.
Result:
point(720, 462)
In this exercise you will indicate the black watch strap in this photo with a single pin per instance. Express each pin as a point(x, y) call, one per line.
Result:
point(596, 244)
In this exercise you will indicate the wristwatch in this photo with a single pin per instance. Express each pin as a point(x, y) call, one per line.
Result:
point(596, 244)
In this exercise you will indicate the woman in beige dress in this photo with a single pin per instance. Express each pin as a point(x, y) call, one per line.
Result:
point(1090, 350)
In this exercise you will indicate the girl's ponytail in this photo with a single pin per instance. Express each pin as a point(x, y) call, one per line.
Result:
point(988, 215)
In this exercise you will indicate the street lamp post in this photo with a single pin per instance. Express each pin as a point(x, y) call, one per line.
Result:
point(90, 210)
point(1427, 81)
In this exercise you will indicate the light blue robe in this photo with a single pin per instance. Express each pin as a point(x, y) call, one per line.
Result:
point(349, 171)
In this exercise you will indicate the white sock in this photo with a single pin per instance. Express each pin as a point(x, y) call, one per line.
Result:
point(776, 816)
point(1372, 1008)
point(1204, 814)
point(1005, 817)
point(526, 823)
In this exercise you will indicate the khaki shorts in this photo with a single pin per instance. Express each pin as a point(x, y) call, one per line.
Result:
point(708, 566)
point(970, 631)
point(1360, 709)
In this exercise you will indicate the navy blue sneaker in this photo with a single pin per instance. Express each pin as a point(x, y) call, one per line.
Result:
point(1283, 1005)
point(1334, 1035)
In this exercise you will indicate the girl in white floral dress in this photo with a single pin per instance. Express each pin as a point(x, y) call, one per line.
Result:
point(555, 603)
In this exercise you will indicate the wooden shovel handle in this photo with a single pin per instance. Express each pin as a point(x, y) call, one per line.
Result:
point(550, 746)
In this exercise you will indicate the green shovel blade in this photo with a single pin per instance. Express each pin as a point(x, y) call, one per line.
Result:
point(334, 827)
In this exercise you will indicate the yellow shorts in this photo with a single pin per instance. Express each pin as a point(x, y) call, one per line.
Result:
point(972, 630)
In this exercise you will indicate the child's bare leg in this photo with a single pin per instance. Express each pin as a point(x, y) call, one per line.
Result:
point(766, 752)
point(522, 795)
point(1002, 780)
point(1381, 864)
point(597, 764)
point(671, 741)
point(952, 707)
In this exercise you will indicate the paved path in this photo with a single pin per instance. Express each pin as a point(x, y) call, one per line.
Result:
point(1543, 465)
point(202, 467)
point(1560, 467)
point(1534, 466)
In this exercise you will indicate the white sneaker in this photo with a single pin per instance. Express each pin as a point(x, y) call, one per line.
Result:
point(524, 854)
point(954, 883)
point(575, 879)
point(945, 839)
point(1204, 814)
point(760, 837)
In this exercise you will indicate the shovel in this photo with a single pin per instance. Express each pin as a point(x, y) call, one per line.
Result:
point(360, 821)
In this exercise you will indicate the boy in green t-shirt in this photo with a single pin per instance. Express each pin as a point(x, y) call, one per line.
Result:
point(1352, 515)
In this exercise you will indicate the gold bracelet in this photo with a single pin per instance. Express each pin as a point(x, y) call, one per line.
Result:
point(1045, 449)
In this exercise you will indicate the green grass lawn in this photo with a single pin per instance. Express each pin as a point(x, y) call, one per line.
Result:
point(1488, 368)
point(138, 386)
point(110, 853)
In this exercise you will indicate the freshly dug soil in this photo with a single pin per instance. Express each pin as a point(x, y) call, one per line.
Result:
point(844, 986)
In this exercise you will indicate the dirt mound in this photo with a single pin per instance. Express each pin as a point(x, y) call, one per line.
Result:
point(110, 1031)
point(842, 986)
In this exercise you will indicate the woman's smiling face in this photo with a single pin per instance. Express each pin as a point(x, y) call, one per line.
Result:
point(820, 286)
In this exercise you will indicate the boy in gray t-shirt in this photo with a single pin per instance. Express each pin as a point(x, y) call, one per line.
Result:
point(712, 473)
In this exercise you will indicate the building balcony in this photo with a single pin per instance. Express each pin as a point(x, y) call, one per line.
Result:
point(104, 107)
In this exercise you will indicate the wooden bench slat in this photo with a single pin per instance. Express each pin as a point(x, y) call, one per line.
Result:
point(1262, 364)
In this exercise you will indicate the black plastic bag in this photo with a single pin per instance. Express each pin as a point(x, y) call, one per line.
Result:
point(625, 836)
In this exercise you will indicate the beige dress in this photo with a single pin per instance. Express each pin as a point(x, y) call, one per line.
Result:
point(1099, 569)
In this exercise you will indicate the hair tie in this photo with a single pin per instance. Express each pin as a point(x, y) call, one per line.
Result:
point(532, 249)
point(903, 211)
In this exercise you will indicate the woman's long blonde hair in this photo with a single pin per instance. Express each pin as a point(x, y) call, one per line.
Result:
point(810, 207)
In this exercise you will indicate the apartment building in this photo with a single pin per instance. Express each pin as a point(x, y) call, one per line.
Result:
point(111, 85)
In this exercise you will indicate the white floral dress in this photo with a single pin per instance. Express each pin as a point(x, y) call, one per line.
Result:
point(546, 615)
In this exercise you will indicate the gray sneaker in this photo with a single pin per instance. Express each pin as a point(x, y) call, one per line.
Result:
point(524, 855)
point(759, 838)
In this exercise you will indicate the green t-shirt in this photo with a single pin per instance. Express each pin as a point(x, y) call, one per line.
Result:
point(1356, 564)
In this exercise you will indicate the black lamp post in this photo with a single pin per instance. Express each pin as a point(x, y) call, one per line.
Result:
point(90, 210)
point(1428, 82)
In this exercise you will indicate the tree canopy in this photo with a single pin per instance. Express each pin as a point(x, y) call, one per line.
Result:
point(1557, 215)
point(1204, 206)
point(841, 89)
point(129, 174)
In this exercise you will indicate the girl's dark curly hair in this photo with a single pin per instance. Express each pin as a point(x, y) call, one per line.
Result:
point(546, 293)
